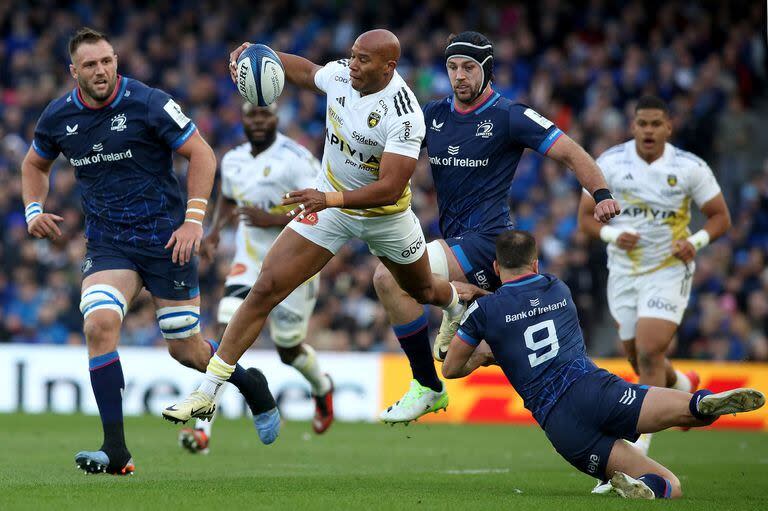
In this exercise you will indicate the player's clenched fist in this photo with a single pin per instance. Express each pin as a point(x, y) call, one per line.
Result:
point(44, 226)
point(684, 250)
point(606, 209)
point(627, 240)
point(233, 60)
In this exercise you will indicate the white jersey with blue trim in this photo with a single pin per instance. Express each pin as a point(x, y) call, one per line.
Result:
point(655, 200)
point(262, 181)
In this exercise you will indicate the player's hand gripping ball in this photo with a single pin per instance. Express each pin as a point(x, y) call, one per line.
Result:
point(260, 75)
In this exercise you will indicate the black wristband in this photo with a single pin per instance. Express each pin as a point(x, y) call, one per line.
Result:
point(601, 194)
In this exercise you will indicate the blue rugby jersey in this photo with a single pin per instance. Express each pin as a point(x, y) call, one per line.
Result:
point(474, 157)
point(532, 328)
point(122, 156)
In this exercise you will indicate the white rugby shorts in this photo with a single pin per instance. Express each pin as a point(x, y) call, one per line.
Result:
point(397, 237)
point(289, 321)
point(660, 294)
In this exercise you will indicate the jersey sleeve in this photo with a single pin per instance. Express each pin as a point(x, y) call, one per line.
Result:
point(168, 120)
point(472, 326)
point(226, 181)
point(44, 143)
point(703, 186)
point(326, 74)
point(530, 129)
point(406, 129)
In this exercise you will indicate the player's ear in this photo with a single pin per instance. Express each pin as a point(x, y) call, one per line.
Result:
point(535, 266)
point(73, 71)
point(496, 267)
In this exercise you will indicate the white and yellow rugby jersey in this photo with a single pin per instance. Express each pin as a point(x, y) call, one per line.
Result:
point(262, 181)
point(360, 128)
point(655, 200)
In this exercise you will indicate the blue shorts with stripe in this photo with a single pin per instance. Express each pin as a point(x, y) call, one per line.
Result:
point(161, 277)
point(598, 409)
point(475, 253)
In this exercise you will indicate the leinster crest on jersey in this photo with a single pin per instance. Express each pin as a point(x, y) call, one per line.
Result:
point(373, 119)
point(671, 180)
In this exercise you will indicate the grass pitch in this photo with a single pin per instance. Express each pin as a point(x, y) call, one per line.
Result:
point(355, 466)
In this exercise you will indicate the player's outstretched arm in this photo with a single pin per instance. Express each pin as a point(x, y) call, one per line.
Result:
point(35, 171)
point(395, 170)
point(298, 70)
point(718, 222)
point(573, 156)
point(200, 174)
point(462, 358)
point(625, 239)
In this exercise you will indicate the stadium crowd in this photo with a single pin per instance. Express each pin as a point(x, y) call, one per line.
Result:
point(580, 64)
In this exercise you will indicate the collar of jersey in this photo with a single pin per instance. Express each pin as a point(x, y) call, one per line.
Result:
point(479, 108)
point(527, 279)
point(117, 96)
point(665, 155)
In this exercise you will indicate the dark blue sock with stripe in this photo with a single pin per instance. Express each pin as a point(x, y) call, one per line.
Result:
point(108, 383)
point(693, 406)
point(414, 339)
point(253, 388)
point(661, 487)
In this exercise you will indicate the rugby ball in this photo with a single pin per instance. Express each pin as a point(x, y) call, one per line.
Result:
point(260, 75)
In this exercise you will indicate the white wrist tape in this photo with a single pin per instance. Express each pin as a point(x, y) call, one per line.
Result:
point(700, 239)
point(609, 234)
point(32, 210)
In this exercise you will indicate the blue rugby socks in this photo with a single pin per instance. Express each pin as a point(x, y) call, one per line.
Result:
point(108, 384)
point(661, 488)
point(693, 406)
point(414, 339)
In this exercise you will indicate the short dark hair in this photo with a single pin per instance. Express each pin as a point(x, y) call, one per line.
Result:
point(652, 103)
point(85, 35)
point(515, 249)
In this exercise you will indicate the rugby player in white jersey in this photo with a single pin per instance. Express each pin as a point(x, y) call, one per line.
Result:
point(255, 176)
point(374, 130)
point(650, 248)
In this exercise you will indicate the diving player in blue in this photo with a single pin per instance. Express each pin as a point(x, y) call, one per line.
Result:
point(531, 328)
point(474, 141)
point(120, 135)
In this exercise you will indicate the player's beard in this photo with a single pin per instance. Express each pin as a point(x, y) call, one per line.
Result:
point(91, 91)
point(258, 144)
point(469, 94)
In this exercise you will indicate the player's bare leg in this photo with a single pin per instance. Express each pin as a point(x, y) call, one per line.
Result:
point(106, 296)
point(291, 261)
point(303, 358)
point(409, 321)
point(633, 474)
point(662, 409)
point(649, 352)
point(418, 281)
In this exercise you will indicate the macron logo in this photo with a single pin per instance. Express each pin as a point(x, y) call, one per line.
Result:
point(72, 130)
point(453, 150)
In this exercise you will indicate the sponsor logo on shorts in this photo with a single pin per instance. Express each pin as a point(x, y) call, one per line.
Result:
point(413, 248)
point(310, 219)
point(482, 279)
point(87, 265)
point(628, 397)
point(661, 304)
point(594, 463)
point(237, 269)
